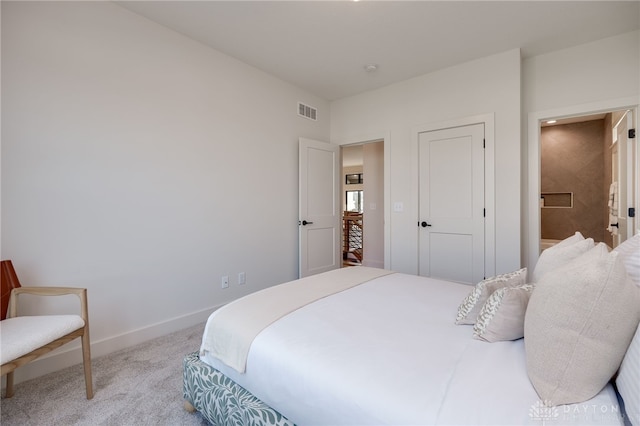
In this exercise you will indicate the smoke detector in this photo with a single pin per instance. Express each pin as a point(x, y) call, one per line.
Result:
point(371, 67)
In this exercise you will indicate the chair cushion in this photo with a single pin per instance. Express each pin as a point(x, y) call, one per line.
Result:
point(21, 335)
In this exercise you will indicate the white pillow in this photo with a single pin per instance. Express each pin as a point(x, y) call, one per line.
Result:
point(628, 380)
point(575, 238)
point(579, 322)
point(502, 315)
point(471, 305)
point(630, 254)
point(559, 255)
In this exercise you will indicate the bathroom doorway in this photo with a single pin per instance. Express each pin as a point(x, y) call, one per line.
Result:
point(588, 177)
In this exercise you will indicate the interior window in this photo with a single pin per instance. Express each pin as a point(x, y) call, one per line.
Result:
point(355, 201)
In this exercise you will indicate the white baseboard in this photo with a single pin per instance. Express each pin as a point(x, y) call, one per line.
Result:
point(373, 263)
point(63, 358)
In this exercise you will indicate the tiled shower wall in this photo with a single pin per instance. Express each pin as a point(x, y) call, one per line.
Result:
point(573, 160)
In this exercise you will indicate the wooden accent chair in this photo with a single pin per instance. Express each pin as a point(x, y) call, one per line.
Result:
point(26, 338)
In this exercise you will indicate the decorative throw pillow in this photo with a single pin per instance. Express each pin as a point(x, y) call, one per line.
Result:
point(502, 315)
point(559, 255)
point(471, 305)
point(630, 254)
point(575, 238)
point(578, 325)
point(628, 380)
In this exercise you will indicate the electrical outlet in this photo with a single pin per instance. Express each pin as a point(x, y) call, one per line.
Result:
point(225, 281)
point(242, 278)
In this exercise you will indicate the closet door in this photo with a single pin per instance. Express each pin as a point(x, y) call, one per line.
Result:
point(451, 209)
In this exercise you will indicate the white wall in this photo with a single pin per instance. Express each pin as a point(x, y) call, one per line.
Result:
point(602, 70)
point(489, 85)
point(593, 77)
point(143, 166)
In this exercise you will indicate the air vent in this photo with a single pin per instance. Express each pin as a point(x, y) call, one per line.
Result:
point(307, 111)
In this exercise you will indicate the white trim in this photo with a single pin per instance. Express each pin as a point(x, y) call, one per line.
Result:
point(531, 243)
point(385, 137)
point(489, 176)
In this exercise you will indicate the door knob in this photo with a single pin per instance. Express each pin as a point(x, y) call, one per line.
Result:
point(424, 224)
point(304, 222)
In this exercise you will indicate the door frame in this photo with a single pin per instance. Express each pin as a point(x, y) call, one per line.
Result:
point(489, 177)
point(531, 210)
point(631, 162)
point(385, 138)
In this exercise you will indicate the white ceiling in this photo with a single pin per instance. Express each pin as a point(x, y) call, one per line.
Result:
point(323, 46)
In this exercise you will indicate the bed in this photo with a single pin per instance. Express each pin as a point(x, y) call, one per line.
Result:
point(389, 348)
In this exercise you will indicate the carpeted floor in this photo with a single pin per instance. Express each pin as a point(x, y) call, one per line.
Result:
point(141, 385)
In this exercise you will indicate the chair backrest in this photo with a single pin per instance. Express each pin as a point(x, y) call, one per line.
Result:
point(9, 282)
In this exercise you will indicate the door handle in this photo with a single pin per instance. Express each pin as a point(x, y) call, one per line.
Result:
point(616, 225)
point(424, 224)
point(304, 223)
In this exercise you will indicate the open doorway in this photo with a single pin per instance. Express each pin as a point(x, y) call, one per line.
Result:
point(583, 186)
point(363, 204)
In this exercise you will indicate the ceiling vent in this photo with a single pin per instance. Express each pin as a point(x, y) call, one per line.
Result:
point(307, 111)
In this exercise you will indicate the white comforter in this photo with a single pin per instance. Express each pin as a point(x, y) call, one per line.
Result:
point(388, 352)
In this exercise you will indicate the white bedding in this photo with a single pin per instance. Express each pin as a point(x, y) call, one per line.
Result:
point(231, 329)
point(388, 352)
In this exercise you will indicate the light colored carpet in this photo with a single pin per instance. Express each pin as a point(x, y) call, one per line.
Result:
point(141, 385)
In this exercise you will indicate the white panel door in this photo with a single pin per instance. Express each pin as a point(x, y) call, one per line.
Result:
point(319, 217)
point(451, 206)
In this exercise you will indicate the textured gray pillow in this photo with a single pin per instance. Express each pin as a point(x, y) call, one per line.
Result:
point(471, 305)
point(502, 315)
point(578, 326)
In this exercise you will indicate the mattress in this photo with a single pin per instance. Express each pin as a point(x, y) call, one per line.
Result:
point(388, 352)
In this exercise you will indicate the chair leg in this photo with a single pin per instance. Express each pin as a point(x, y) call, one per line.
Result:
point(9, 390)
point(86, 361)
point(189, 407)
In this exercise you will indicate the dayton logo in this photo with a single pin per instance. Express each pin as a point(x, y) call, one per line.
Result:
point(543, 410)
